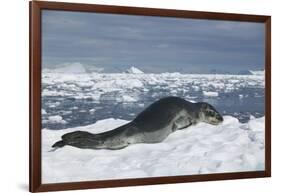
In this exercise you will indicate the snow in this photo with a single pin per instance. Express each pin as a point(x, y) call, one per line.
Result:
point(201, 149)
point(134, 70)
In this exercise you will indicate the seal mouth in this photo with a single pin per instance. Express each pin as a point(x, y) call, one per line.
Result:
point(218, 120)
point(215, 123)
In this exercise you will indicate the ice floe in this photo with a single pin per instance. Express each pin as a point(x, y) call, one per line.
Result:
point(98, 85)
point(201, 149)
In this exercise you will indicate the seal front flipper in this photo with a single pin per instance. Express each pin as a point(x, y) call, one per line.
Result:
point(181, 123)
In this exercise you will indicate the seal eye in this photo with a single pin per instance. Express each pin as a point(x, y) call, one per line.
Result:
point(210, 113)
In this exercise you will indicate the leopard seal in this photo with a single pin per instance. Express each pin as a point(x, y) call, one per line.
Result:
point(152, 125)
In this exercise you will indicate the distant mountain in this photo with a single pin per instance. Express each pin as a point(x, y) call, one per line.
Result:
point(73, 68)
point(244, 72)
point(216, 71)
point(134, 70)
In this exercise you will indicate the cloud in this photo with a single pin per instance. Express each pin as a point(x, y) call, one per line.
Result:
point(162, 45)
point(62, 19)
point(118, 41)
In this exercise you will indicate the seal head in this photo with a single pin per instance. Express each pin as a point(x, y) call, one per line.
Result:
point(209, 114)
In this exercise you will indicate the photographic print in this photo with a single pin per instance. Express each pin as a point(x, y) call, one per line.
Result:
point(133, 96)
point(136, 96)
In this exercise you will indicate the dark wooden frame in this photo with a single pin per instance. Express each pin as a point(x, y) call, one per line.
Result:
point(35, 184)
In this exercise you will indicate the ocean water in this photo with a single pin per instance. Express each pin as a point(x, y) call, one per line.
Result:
point(70, 100)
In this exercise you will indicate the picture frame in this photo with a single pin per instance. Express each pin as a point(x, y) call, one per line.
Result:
point(35, 178)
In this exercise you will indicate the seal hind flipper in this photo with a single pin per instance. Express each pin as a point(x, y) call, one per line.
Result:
point(82, 139)
point(59, 144)
point(113, 139)
point(76, 135)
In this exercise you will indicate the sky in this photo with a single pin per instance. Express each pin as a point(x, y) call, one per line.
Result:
point(114, 43)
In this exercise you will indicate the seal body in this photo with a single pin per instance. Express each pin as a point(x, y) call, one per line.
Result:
point(152, 125)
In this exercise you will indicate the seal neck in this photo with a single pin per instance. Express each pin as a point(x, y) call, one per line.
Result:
point(200, 111)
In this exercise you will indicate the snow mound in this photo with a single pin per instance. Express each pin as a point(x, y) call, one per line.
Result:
point(201, 149)
point(134, 70)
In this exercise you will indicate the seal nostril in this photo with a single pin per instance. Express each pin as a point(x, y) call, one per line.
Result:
point(220, 118)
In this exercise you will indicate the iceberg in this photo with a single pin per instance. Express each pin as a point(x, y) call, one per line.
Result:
point(134, 70)
point(73, 68)
point(258, 72)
